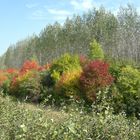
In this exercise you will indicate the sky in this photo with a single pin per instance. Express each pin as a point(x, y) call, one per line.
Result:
point(22, 18)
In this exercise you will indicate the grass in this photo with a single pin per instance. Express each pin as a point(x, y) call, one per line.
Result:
point(22, 121)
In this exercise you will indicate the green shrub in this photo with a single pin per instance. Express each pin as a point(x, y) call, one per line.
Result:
point(128, 85)
point(95, 51)
point(64, 64)
point(26, 86)
point(115, 70)
point(5, 86)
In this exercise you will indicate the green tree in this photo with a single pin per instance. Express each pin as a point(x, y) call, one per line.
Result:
point(95, 50)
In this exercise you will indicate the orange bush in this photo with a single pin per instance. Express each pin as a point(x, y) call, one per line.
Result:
point(29, 65)
point(11, 71)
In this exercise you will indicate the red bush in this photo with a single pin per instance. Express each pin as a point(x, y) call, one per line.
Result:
point(95, 76)
point(29, 65)
point(11, 71)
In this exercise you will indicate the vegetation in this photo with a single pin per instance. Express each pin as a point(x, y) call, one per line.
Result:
point(95, 51)
point(81, 79)
point(118, 35)
point(76, 90)
point(128, 85)
point(94, 78)
point(23, 121)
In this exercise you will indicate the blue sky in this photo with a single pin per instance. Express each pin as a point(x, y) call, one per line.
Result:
point(21, 18)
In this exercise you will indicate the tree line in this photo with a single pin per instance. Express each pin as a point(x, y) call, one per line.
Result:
point(119, 35)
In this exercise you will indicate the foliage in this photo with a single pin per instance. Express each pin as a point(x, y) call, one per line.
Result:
point(68, 85)
point(3, 77)
point(83, 60)
point(65, 63)
point(94, 78)
point(104, 119)
point(55, 76)
point(65, 79)
point(128, 85)
point(29, 65)
point(118, 35)
point(26, 86)
point(6, 77)
point(95, 51)
point(115, 69)
point(23, 121)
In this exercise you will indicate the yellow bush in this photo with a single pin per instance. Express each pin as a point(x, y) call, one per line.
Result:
point(68, 85)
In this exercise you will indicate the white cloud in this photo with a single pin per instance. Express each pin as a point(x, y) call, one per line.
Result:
point(58, 18)
point(75, 4)
point(58, 15)
point(82, 4)
point(87, 4)
point(38, 15)
point(59, 12)
point(31, 5)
